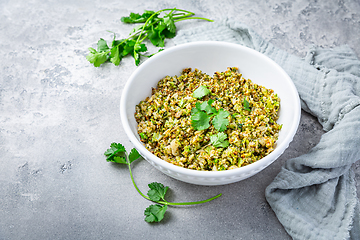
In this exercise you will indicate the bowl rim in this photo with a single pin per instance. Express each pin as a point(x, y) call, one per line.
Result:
point(262, 163)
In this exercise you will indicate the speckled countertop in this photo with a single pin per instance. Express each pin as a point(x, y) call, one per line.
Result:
point(58, 114)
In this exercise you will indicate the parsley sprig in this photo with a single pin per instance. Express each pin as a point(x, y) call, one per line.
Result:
point(156, 27)
point(157, 191)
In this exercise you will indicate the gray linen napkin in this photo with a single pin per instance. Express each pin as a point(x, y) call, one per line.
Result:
point(314, 195)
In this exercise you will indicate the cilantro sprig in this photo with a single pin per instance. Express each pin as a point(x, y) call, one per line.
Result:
point(203, 112)
point(157, 191)
point(155, 27)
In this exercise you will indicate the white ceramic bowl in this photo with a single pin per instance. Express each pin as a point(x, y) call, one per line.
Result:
point(211, 57)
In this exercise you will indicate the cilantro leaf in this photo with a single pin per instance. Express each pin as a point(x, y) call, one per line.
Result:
point(133, 47)
point(170, 24)
point(115, 56)
point(246, 105)
point(156, 35)
point(128, 47)
point(133, 155)
point(206, 106)
point(220, 120)
point(133, 18)
point(201, 92)
point(114, 147)
point(137, 18)
point(96, 58)
point(116, 50)
point(116, 153)
point(138, 47)
point(155, 213)
point(200, 120)
point(202, 113)
point(196, 109)
point(102, 45)
point(101, 55)
point(168, 34)
point(219, 140)
point(157, 191)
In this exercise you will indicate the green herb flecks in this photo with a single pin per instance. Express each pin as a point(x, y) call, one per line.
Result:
point(157, 191)
point(246, 105)
point(154, 28)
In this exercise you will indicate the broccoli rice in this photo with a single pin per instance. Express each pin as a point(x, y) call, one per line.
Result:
point(168, 129)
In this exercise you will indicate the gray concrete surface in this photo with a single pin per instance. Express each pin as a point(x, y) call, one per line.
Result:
point(58, 114)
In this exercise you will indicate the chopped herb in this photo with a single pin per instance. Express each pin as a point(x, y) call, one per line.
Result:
point(246, 105)
point(143, 136)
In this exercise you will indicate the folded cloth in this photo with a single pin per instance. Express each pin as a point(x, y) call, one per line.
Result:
point(314, 196)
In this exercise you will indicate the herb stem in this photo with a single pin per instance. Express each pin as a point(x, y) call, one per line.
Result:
point(177, 9)
point(201, 18)
point(154, 213)
point(166, 202)
point(155, 26)
point(147, 20)
point(133, 181)
point(192, 203)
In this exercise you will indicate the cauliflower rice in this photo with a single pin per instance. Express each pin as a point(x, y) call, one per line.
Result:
point(164, 120)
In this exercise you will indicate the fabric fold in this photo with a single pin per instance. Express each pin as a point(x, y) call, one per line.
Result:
point(314, 195)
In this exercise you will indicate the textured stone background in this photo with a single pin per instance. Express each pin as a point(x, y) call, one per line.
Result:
point(58, 114)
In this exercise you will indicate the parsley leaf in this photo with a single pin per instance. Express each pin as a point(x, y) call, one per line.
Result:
point(151, 26)
point(220, 120)
point(157, 191)
point(201, 92)
point(219, 140)
point(155, 213)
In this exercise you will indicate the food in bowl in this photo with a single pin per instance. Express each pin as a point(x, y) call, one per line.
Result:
point(209, 123)
point(211, 56)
